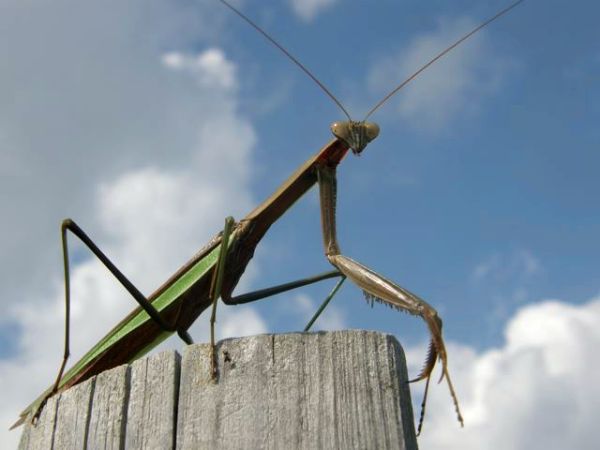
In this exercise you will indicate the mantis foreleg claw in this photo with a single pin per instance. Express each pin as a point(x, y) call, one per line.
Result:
point(377, 288)
point(384, 291)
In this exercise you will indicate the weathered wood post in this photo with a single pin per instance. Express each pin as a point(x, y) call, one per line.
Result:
point(330, 390)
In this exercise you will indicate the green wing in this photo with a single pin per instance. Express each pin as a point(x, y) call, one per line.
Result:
point(139, 317)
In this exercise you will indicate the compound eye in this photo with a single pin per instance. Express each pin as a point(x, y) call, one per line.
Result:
point(340, 130)
point(371, 130)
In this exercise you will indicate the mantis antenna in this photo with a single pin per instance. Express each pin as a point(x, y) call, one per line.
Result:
point(393, 91)
point(440, 55)
point(289, 55)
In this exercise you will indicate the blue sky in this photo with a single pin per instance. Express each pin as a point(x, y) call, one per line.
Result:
point(149, 124)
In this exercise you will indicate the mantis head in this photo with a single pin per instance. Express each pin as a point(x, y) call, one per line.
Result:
point(356, 134)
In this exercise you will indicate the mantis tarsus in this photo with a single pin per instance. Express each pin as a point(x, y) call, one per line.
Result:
point(216, 269)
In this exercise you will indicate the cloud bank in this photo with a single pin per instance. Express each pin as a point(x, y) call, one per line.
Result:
point(537, 391)
point(129, 137)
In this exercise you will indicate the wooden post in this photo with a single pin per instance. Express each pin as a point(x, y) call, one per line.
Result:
point(326, 390)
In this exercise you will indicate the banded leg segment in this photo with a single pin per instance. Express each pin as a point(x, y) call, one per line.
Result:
point(378, 288)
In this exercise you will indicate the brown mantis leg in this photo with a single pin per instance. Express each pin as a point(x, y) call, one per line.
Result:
point(215, 290)
point(378, 288)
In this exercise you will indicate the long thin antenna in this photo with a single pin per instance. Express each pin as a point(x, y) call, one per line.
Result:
point(433, 60)
point(289, 55)
point(395, 90)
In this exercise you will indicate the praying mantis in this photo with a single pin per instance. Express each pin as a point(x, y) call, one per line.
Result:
point(215, 270)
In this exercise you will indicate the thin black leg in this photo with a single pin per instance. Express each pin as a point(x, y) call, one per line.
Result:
point(268, 292)
point(325, 303)
point(71, 226)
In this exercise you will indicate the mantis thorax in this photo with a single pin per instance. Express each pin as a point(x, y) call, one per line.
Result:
point(356, 134)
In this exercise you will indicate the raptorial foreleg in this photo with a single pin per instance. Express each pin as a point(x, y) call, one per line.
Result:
point(378, 288)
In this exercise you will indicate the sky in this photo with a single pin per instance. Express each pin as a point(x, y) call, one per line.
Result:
point(150, 122)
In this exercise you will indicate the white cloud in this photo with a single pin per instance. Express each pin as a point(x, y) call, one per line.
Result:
point(243, 321)
point(308, 9)
point(455, 86)
point(148, 160)
point(210, 68)
point(537, 391)
point(506, 279)
point(501, 267)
